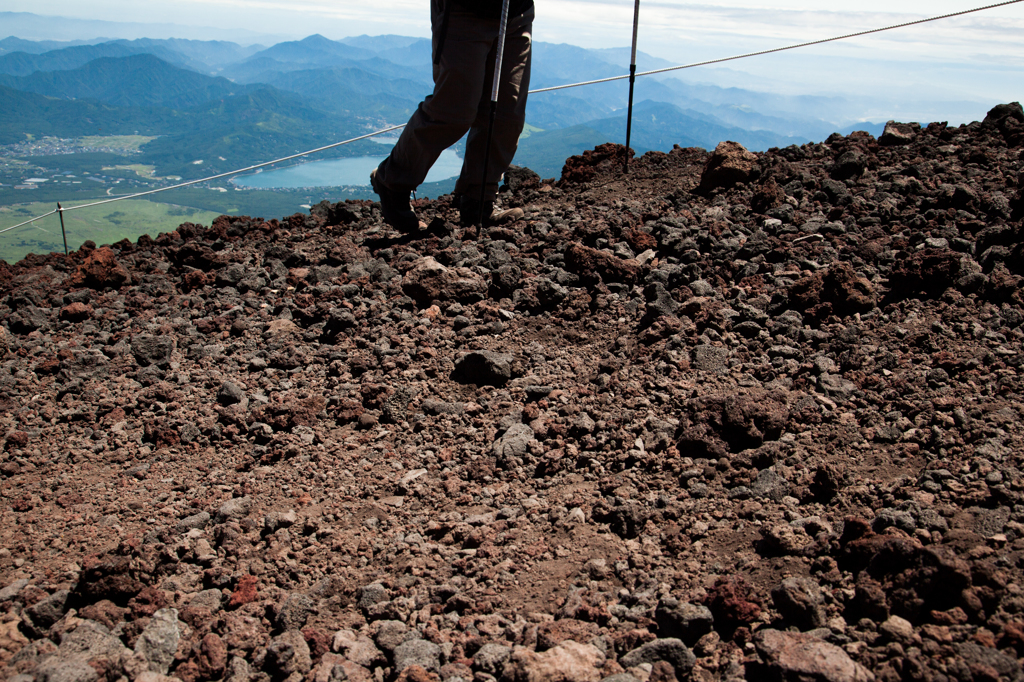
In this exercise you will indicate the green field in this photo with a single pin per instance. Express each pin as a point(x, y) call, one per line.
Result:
point(529, 130)
point(105, 224)
point(127, 143)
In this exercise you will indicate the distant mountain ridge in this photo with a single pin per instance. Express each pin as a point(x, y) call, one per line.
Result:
point(13, 44)
point(353, 92)
point(657, 126)
point(50, 116)
point(69, 58)
point(314, 49)
point(138, 80)
point(218, 100)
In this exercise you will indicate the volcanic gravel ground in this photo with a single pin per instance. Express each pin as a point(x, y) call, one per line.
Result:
point(727, 416)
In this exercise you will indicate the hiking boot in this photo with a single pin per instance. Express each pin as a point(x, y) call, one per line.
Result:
point(469, 210)
point(394, 206)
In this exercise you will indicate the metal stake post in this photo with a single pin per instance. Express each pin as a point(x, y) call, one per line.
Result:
point(632, 81)
point(60, 212)
point(502, 29)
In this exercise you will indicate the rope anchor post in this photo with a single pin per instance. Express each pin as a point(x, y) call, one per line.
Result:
point(495, 83)
point(632, 82)
point(60, 212)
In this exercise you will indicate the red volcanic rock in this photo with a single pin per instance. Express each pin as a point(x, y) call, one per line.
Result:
point(551, 635)
point(290, 411)
point(416, 673)
point(732, 604)
point(100, 270)
point(641, 241)
point(729, 165)
point(768, 196)
point(22, 504)
point(632, 639)
point(110, 578)
point(161, 433)
point(105, 612)
point(603, 159)
point(17, 439)
point(930, 272)
point(1013, 637)
point(662, 671)
point(592, 264)
point(429, 281)
point(245, 591)
point(718, 425)
point(147, 602)
point(799, 656)
point(195, 279)
point(213, 656)
point(1004, 286)
point(898, 133)
point(76, 312)
point(319, 642)
point(839, 291)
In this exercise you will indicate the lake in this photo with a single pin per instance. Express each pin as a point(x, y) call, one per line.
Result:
point(338, 172)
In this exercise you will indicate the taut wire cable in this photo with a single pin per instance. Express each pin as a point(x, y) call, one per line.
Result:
point(236, 172)
point(45, 215)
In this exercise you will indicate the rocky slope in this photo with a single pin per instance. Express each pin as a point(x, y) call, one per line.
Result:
point(730, 416)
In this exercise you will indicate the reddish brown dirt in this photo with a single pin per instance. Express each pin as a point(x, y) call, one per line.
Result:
point(714, 409)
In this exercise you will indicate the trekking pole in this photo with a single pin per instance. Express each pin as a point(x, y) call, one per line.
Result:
point(632, 81)
point(502, 29)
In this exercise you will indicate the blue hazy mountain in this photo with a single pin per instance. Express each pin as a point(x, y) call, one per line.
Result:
point(384, 43)
point(417, 54)
point(562, 109)
point(657, 126)
point(13, 44)
point(314, 50)
point(401, 58)
point(68, 58)
point(295, 95)
point(660, 125)
point(353, 92)
point(139, 80)
point(261, 70)
point(211, 54)
point(394, 60)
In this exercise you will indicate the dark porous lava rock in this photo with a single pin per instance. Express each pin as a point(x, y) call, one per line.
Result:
point(730, 415)
point(483, 368)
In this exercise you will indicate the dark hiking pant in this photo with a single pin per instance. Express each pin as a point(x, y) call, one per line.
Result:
point(461, 102)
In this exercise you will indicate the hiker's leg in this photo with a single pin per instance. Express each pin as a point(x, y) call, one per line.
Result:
point(446, 115)
point(510, 114)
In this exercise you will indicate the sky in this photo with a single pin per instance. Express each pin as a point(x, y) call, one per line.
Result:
point(979, 57)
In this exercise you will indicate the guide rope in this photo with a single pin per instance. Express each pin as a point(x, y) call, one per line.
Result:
point(531, 92)
point(45, 215)
point(236, 172)
point(212, 177)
